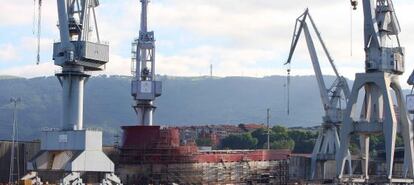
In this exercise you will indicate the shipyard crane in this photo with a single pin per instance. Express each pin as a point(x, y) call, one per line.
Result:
point(144, 87)
point(328, 141)
point(384, 63)
point(73, 149)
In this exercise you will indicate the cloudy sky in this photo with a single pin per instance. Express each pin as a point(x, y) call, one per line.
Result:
point(239, 37)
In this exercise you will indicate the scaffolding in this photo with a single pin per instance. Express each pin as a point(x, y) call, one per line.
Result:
point(160, 159)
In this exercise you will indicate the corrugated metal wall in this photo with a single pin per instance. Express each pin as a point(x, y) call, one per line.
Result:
point(26, 151)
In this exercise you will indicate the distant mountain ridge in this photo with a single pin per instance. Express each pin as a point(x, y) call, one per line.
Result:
point(185, 101)
point(7, 77)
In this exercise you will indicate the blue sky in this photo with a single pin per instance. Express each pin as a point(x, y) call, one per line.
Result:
point(239, 37)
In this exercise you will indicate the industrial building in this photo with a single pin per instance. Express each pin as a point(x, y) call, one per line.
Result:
point(156, 155)
point(26, 151)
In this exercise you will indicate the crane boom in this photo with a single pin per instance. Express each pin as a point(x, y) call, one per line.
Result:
point(328, 96)
point(317, 68)
point(325, 49)
point(63, 26)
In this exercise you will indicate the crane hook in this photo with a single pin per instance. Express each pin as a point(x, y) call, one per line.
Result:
point(39, 29)
point(288, 88)
point(354, 4)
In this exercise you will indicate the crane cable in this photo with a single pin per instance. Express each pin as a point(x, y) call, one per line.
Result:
point(37, 31)
point(34, 18)
point(351, 29)
point(288, 70)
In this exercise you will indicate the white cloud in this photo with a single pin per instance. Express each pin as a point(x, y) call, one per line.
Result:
point(255, 32)
point(33, 70)
point(22, 12)
point(117, 65)
point(249, 37)
point(8, 53)
point(12, 12)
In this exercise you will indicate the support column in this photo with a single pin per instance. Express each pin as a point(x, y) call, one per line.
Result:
point(315, 153)
point(72, 82)
point(364, 142)
point(144, 112)
point(407, 126)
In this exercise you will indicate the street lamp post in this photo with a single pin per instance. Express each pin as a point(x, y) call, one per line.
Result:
point(14, 151)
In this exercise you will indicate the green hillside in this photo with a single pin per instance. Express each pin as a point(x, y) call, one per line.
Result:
point(185, 101)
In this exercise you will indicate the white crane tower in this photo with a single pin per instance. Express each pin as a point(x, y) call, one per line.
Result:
point(72, 150)
point(384, 63)
point(327, 143)
point(144, 87)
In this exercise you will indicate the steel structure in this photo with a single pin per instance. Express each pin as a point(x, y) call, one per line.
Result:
point(384, 64)
point(73, 149)
point(144, 87)
point(14, 154)
point(327, 143)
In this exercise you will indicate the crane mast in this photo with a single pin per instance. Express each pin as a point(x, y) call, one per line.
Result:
point(144, 87)
point(384, 63)
point(77, 55)
point(328, 141)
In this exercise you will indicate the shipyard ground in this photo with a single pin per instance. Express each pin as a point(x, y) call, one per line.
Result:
point(156, 155)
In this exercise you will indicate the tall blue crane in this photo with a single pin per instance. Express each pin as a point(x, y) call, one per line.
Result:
point(144, 87)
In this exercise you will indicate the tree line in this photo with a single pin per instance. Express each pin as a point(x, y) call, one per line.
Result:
point(300, 141)
point(297, 140)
